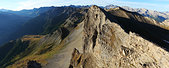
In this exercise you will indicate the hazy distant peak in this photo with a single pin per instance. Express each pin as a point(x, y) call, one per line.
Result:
point(4, 10)
point(111, 6)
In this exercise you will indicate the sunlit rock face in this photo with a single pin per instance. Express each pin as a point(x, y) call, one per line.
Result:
point(107, 45)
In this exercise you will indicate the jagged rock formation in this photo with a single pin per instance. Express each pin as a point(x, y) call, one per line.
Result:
point(107, 45)
point(97, 38)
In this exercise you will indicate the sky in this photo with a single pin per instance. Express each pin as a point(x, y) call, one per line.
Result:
point(158, 5)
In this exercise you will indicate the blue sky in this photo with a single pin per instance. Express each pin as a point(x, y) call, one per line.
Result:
point(159, 5)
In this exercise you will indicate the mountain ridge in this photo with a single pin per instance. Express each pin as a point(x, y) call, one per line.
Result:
point(95, 38)
point(106, 45)
point(158, 16)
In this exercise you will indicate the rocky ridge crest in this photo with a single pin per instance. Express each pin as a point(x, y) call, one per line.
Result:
point(107, 45)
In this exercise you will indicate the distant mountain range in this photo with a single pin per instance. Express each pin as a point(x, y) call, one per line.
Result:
point(11, 21)
point(5, 10)
point(29, 13)
point(158, 16)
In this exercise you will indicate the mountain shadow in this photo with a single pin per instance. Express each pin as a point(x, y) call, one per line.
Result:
point(146, 30)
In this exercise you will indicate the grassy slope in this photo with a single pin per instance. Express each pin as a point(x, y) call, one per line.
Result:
point(46, 50)
point(32, 47)
point(33, 52)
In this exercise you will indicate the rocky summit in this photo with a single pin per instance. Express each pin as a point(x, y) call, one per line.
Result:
point(92, 38)
point(107, 45)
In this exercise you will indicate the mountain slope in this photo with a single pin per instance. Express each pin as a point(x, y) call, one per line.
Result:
point(94, 38)
point(107, 45)
point(49, 44)
point(49, 21)
point(9, 23)
point(134, 22)
point(165, 24)
point(15, 24)
point(158, 16)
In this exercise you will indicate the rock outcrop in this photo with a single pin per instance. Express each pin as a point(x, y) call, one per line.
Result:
point(33, 64)
point(107, 45)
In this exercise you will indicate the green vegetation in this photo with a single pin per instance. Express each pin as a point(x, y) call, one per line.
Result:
point(33, 51)
point(44, 37)
point(18, 47)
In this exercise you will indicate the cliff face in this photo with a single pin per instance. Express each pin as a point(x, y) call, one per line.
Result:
point(107, 45)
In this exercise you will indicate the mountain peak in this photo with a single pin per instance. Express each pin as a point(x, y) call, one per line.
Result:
point(94, 7)
point(117, 9)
